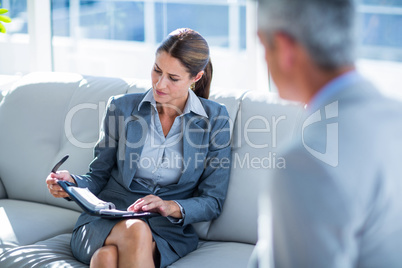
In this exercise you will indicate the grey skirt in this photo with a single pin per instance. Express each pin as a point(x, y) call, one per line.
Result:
point(89, 237)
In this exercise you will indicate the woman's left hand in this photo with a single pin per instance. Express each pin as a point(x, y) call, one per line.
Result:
point(154, 203)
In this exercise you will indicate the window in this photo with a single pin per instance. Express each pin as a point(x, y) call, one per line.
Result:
point(223, 24)
point(380, 50)
point(119, 38)
point(380, 29)
point(212, 21)
point(110, 20)
point(14, 52)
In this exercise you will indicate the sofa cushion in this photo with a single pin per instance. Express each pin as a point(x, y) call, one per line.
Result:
point(3, 193)
point(231, 99)
point(214, 254)
point(263, 125)
point(52, 253)
point(29, 117)
point(23, 223)
point(55, 252)
point(50, 115)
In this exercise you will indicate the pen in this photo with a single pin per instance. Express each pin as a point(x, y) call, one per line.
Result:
point(57, 166)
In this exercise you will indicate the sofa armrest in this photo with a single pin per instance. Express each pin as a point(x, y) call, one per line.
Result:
point(3, 193)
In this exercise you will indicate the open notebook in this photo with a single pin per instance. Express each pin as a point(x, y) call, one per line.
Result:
point(97, 207)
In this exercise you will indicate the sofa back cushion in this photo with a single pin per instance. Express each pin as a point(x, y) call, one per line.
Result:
point(231, 99)
point(263, 125)
point(46, 116)
point(31, 120)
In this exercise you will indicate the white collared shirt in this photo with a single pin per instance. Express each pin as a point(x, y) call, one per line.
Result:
point(161, 161)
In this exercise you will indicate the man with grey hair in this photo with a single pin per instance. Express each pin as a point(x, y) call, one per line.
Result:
point(338, 202)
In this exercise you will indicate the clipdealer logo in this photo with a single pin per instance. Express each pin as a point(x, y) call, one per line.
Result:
point(330, 156)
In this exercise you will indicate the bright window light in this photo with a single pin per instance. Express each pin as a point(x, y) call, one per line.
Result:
point(119, 38)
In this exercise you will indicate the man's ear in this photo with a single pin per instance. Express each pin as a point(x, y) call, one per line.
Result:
point(263, 38)
point(286, 49)
point(198, 76)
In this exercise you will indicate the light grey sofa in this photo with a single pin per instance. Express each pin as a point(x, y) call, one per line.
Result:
point(48, 115)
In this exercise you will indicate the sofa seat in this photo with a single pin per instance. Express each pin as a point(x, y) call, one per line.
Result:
point(56, 252)
point(23, 222)
point(215, 254)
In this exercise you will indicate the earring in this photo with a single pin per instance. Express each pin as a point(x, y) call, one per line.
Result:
point(192, 87)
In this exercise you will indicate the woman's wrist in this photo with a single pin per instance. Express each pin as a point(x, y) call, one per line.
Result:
point(174, 209)
point(72, 179)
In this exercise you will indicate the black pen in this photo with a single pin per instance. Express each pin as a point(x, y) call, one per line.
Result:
point(57, 166)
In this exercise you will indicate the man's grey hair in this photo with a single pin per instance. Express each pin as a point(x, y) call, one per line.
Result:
point(325, 28)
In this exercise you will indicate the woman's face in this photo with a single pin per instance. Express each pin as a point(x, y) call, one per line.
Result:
point(171, 81)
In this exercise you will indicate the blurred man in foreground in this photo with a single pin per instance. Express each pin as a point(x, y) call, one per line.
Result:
point(338, 202)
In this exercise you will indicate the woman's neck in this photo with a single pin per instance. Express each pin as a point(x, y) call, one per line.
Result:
point(169, 109)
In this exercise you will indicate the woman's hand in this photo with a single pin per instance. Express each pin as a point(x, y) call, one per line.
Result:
point(54, 188)
point(154, 203)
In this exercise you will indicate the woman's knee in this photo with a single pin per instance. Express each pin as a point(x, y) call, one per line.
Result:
point(106, 256)
point(132, 230)
point(138, 231)
point(139, 228)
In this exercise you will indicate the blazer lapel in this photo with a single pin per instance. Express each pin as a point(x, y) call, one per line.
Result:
point(195, 144)
point(137, 127)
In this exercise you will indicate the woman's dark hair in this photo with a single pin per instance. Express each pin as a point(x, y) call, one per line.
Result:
point(191, 49)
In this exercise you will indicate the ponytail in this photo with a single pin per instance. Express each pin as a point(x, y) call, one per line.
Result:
point(202, 86)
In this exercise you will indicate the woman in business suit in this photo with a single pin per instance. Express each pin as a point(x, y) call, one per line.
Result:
point(166, 151)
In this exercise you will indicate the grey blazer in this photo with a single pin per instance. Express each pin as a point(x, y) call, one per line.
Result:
point(338, 203)
point(202, 187)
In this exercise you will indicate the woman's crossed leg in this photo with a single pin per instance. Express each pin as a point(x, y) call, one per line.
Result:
point(129, 244)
